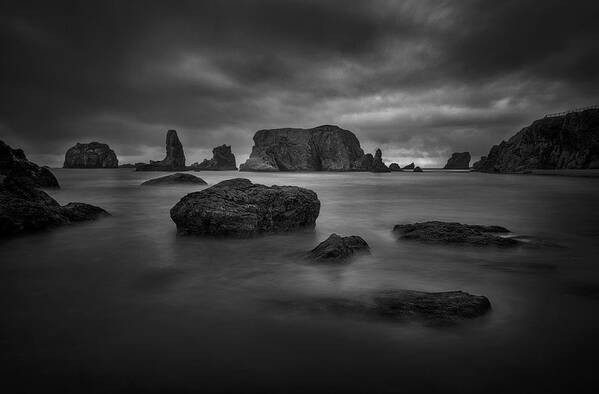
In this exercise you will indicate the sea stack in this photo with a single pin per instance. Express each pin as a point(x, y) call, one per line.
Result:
point(91, 155)
point(458, 161)
point(174, 160)
point(568, 141)
point(222, 160)
point(377, 163)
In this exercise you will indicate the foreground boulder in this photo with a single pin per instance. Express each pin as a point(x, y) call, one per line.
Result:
point(394, 167)
point(237, 207)
point(222, 160)
point(175, 179)
point(92, 155)
point(14, 164)
point(23, 208)
point(337, 248)
point(442, 308)
point(568, 141)
point(174, 160)
point(454, 233)
point(458, 161)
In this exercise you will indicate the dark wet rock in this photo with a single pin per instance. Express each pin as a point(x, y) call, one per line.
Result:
point(377, 163)
point(394, 167)
point(458, 161)
point(409, 166)
point(174, 160)
point(336, 248)
point(237, 207)
point(364, 163)
point(437, 308)
point(570, 141)
point(323, 148)
point(14, 164)
point(23, 208)
point(177, 178)
point(454, 233)
point(222, 160)
point(417, 169)
point(128, 165)
point(92, 155)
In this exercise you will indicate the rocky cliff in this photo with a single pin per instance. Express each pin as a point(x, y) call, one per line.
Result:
point(92, 155)
point(570, 141)
point(323, 148)
point(458, 161)
point(14, 163)
point(174, 160)
point(222, 159)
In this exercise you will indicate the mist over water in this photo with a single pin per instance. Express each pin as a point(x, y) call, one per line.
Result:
point(124, 304)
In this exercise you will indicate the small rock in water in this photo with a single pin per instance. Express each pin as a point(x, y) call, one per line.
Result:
point(451, 232)
point(417, 169)
point(178, 178)
point(394, 167)
point(237, 207)
point(336, 248)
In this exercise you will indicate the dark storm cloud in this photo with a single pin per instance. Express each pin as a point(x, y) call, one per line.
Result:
point(419, 78)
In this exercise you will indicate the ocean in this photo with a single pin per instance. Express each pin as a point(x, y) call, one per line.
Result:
point(124, 304)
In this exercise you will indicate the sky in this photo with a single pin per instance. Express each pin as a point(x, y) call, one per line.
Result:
point(420, 79)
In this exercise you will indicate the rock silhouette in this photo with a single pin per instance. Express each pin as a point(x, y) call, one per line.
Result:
point(237, 207)
point(569, 141)
point(409, 166)
point(417, 169)
point(222, 160)
point(91, 155)
point(394, 167)
point(458, 161)
point(377, 163)
point(178, 178)
point(174, 160)
point(454, 233)
point(14, 164)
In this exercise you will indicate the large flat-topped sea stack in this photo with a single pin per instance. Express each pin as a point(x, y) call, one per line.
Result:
point(222, 160)
point(458, 161)
point(91, 155)
point(569, 141)
point(174, 160)
point(237, 207)
point(323, 148)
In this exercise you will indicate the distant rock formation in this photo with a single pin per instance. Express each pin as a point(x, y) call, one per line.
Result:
point(237, 207)
point(569, 141)
point(458, 161)
point(173, 179)
point(14, 163)
point(417, 169)
point(455, 233)
point(23, 208)
point(323, 148)
point(127, 165)
point(394, 167)
point(92, 155)
point(222, 160)
point(409, 166)
point(337, 248)
point(174, 160)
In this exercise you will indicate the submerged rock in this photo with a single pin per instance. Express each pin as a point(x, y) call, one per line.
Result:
point(458, 161)
point(438, 308)
point(454, 233)
point(222, 160)
point(569, 141)
point(92, 155)
point(178, 178)
point(409, 166)
point(24, 208)
point(336, 248)
point(237, 207)
point(417, 169)
point(14, 164)
point(174, 160)
point(394, 167)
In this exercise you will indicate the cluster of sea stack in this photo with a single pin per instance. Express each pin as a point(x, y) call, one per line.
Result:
point(239, 208)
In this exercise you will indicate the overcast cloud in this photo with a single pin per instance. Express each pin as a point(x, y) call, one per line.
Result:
point(420, 79)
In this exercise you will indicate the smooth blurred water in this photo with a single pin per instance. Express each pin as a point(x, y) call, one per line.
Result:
point(124, 304)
